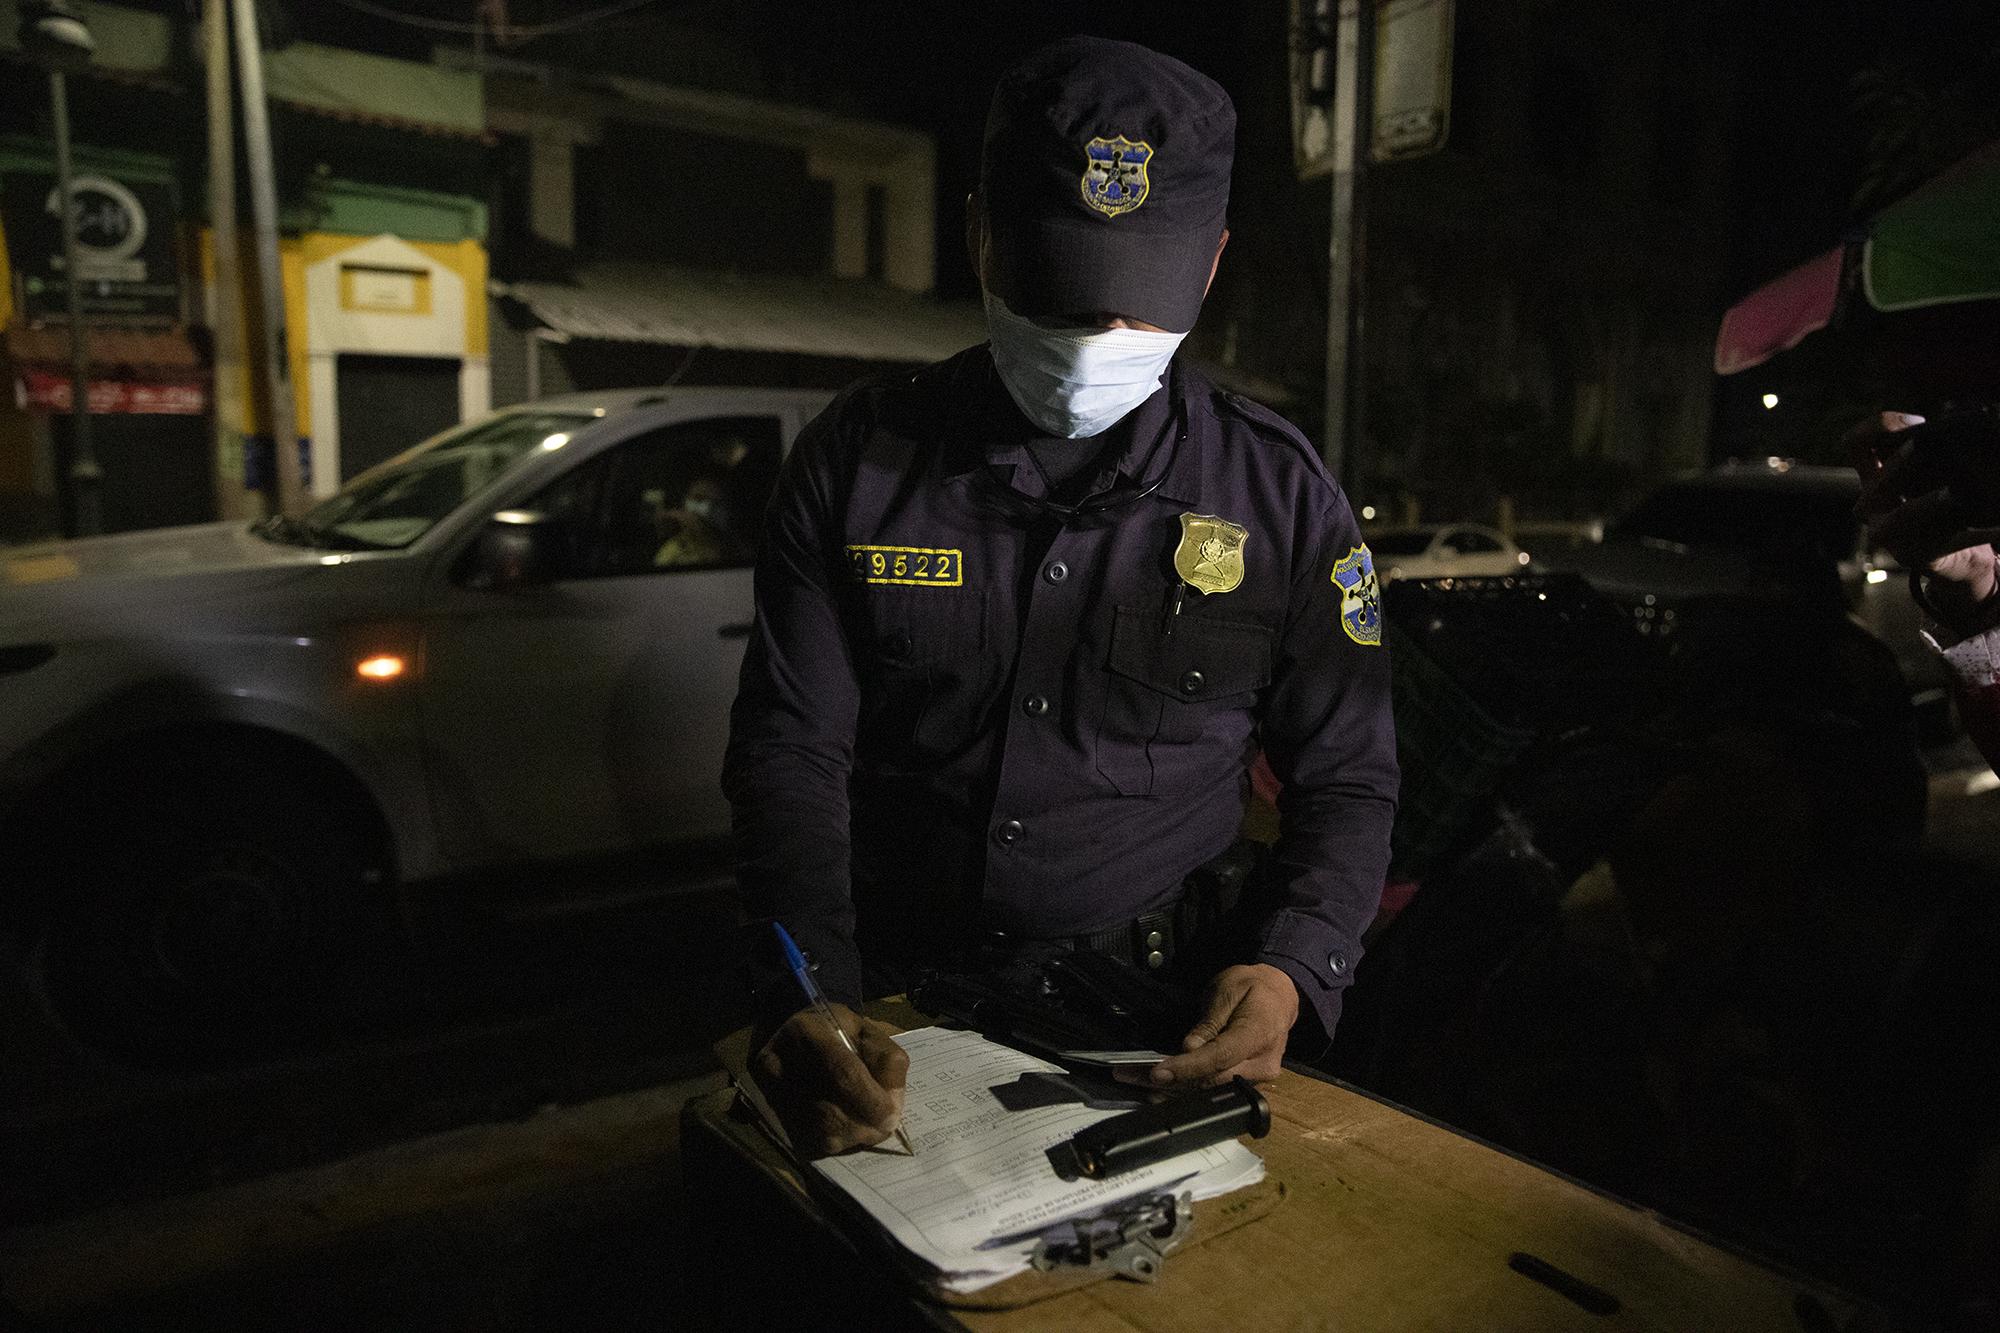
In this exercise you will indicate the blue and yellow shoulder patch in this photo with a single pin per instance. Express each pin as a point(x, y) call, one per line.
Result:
point(1360, 596)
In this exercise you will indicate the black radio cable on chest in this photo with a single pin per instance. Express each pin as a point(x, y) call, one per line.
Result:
point(1109, 499)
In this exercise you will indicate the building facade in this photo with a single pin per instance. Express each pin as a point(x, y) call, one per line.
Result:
point(652, 233)
point(1541, 295)
point(380, 169)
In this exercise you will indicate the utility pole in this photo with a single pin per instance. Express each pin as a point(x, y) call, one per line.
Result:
point(55, 35)
point(276, 358)
point(1354, 98)
point(86, 478)
point(226, 292)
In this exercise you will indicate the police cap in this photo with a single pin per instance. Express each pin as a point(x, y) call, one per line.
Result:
point(1105, 177)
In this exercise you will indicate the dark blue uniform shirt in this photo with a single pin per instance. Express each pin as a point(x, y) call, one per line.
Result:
point(960, 707)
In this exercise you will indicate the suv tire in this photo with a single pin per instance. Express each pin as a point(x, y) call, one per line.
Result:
point(209, 914)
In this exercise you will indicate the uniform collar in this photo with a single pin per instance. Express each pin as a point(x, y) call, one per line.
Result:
point(1190, 454)
point(993, 435)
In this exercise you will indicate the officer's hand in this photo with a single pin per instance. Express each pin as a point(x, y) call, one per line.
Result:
point(828, 1101)
point(1251, 1010)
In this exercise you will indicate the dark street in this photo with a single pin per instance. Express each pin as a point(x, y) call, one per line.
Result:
point(530, 1067)
point(679, 664)
point(499, 1155)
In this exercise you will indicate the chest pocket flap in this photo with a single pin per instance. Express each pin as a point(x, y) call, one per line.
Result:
point(1201, 660)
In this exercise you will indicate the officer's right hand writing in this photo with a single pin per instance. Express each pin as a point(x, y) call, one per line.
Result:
point(827, 1100)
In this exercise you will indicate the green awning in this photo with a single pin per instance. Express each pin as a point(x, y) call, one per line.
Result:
point(1941, 244)
point(1937, 246)
point(358, 86)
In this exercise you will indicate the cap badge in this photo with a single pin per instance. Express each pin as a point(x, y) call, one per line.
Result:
point(1210, 556)
point(1114, 174)
point(1360, 596)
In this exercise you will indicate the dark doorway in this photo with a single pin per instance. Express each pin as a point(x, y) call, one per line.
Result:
point(157, 471)
point(388, 403)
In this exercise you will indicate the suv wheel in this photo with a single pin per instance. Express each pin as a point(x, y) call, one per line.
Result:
point(210, 918)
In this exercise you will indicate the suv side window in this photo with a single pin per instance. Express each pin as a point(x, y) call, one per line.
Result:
point(1465, 541)
point(684, 497)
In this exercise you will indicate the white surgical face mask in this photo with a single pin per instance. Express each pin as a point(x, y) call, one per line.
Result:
point(1075, 382)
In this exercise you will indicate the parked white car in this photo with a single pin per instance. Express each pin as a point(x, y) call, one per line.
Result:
point(1446, 550)
point(514, 645)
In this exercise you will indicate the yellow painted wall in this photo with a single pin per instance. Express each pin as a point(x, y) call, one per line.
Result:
point(17, 430)
point(467, 259)
point(6, 282)
point(17, 450)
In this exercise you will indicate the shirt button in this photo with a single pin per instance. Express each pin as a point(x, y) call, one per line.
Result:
point(1034, 705)
point(1010, 832)
point(1191, 683)
point(1336, 963)
point(1056, 571)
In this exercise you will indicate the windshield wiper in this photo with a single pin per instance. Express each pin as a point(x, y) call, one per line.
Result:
point(297, 532)
point(280, 528)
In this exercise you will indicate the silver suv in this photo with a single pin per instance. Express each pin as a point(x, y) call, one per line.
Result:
point(222, 748)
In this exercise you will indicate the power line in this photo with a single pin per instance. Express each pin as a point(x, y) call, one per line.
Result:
point(521, 31)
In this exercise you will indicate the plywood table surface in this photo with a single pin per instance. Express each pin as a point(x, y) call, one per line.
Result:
point(1393, 1222)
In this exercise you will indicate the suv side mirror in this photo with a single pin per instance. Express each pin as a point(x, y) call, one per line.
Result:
point(518, 548)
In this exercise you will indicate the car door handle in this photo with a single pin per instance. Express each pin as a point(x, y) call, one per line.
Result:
point(740, 630)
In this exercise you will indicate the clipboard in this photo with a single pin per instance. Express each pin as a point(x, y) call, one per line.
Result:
point(824, 1203)
point(1398, 1219)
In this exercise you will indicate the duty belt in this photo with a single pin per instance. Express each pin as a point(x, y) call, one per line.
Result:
point(1148, 941)
point(1151, 941)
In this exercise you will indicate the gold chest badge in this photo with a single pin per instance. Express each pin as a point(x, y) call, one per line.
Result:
point(1210, 556)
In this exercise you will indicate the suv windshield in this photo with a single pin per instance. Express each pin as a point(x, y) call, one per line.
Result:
point(392, 505)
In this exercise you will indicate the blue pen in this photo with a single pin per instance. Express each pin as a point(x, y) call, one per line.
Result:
point(816, 997)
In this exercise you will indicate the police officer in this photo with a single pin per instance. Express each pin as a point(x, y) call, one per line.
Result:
point(1024, 618)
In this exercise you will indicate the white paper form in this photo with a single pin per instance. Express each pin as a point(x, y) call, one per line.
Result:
point(982, 1172)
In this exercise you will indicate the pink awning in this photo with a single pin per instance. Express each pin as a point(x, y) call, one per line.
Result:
point(1779, 314)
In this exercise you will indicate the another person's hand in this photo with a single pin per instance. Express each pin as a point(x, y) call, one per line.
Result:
point(1976, 571)
point(827, 1100)
point(1250, 1013)
point(1913, 506)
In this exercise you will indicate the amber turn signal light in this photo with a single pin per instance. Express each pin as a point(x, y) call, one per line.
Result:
point(379, 668)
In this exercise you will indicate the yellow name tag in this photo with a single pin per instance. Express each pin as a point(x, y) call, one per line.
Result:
point(922, 565)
